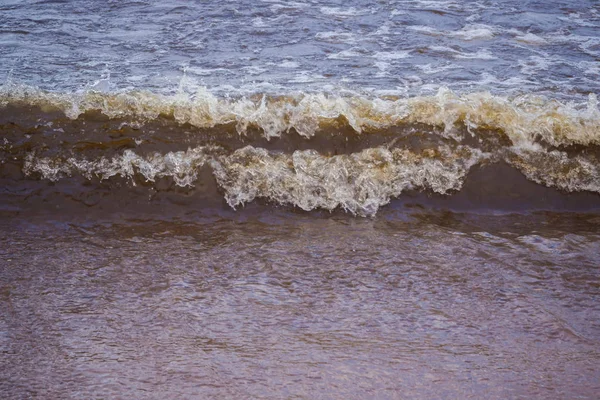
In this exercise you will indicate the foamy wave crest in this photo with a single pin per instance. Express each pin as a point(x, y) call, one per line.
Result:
point(556, 169)
point(524, 120)
point(359, 183)
point(181, 166)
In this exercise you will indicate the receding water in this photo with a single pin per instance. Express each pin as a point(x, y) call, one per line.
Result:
point(278, 304)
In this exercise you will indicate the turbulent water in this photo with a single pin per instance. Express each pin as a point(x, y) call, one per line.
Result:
point(299, 199)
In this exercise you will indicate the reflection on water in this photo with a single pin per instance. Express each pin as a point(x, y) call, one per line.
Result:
point(279, 304)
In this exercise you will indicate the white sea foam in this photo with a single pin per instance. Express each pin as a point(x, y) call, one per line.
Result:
point(289, 64)
point(383, 68)
point(578, 19)
point(468, 32)
point(382, 30)
point(590, 68)
point(288, 5)
point(254, 70)
point(346, 54)
point(205, 71)
point(427, 30)
point(307, 77)
point(182, 166)
point(534, 64)
point(258, 22)
point(474, 32)
point(392, 55)
point(435, 69)
point(531, 38)
point(343, 12)
point(483, 54)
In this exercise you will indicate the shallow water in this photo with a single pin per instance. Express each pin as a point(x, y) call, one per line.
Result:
point(282, 304)
point(312, 199)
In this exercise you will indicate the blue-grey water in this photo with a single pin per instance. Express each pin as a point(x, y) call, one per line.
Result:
point(399, 47)
point(310, 199)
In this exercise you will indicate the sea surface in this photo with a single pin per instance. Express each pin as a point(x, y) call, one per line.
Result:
point(309, 199)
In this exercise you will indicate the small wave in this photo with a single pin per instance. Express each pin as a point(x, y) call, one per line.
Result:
point(531, 38)
point(359, 183)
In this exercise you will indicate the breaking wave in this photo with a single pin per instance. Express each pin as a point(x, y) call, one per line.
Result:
point(360, 182)
point(523, 119)
point(312, 151)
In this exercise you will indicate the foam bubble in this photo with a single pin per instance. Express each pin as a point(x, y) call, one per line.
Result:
point(392, 55)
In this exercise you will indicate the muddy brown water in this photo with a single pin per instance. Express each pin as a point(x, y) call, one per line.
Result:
point(270, 302)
